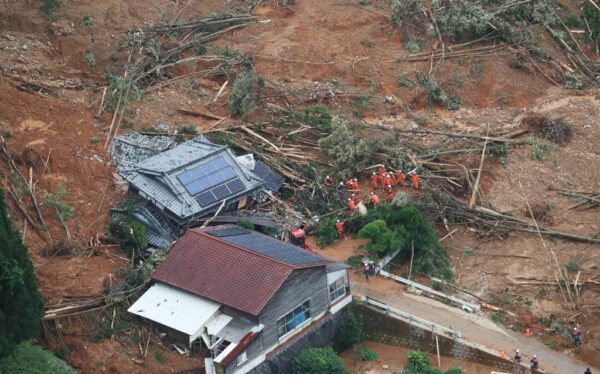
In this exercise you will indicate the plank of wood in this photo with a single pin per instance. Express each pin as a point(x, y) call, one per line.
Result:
point(200, 113)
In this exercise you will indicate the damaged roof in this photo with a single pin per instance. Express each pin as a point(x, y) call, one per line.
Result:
point(233, 266)
point(192, 179)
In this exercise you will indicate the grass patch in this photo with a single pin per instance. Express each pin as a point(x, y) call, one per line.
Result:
point(496, 316)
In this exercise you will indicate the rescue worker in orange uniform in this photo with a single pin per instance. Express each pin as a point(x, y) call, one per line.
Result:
point(355, 186)
point(388, 189)
point(381, 170)
point(327, 181)
point(392, 179)
point(349, 184)
point(390, 196)
point(339, 226)
point(374, 199)
point(351, 205)
point(374, 180)
point(400, 177)
point(415, 181)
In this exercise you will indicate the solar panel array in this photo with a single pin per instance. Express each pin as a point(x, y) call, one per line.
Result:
point(273, 181)
point(212, 181)
point(273, 248)
point(229, 231)
point(206, 176)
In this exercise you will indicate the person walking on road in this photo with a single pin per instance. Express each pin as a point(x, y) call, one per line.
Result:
point(576, 335)
point(588, 371)
point(517, 357)
point(366, 271)
point(534, 362)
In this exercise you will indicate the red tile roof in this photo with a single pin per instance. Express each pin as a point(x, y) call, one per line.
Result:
point(228, 274)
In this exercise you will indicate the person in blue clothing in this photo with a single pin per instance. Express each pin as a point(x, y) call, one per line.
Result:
point(588, 371)
point(341, 192)
point(366, 271)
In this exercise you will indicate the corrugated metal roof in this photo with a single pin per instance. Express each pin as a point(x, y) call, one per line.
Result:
point(174, 308)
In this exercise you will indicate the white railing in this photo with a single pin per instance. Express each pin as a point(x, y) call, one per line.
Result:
point(435, 328)
point(421, 287)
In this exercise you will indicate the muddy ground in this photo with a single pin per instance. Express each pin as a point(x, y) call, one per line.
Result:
point(49, 98)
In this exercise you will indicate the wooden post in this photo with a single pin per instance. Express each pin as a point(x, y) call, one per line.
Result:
point(412, 255)
point(437, 349)
point(476, 187)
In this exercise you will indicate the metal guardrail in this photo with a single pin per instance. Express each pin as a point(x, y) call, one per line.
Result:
point(421, 287)
point(412, 319)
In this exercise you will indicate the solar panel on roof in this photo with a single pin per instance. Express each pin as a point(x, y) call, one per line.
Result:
point(206, 199)
point(236, 186)
point(273, 181)
point(207, 176)
point(273, 248)
point(229, 231)
point(221, 192)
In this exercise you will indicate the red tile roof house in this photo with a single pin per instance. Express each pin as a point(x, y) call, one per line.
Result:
point(243, 294)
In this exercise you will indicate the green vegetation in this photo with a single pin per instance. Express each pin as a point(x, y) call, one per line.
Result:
point(435, 93)
point(347, 152)
point(21, 305)
point(354, 261)
point(404, 10)
point(7, 134)
point(160, 357)
point(496, 316)
point(131, 235)
point(57, 201)
point(351, 331)
point(418, 363)
point(438, 286)
point(318, 361)
point(32, 359)
point(572, 266)
point(326, 232)
point(316, 116)
point(94, 141)
point(87, 20)
point(405, 81)
point(362, 353)
point(244, 93)
point(538, 150)
point(591, 15)
point(188, 130)
point(246, 224)
point(49, 7)
point(400, 228)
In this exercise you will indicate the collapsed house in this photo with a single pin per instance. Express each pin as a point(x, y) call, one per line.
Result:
point(240, 293)
point(180, 184)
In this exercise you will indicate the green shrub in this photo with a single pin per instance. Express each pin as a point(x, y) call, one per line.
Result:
point(243, 94)
point(87, 20)
point(496, 316)
point(351, 331)
point(435, 93)
point(418, 363)
point(318, 361)
point(326, 232)
point(188, 130)
point(592, 16)
point(405, 81)
point(465, 19)
point(364, 353)
point(572, 266)
point(131, 235)
point(438, 286)
point(246, 224)
point(454, 370)
point(32, 359)
point(318, 116)
point(383, 240)
point(354, 261)
point(49, 7)
point(160, 357)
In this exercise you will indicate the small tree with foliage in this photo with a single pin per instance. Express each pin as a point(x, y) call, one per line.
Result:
point(318, 361)
point(351, 331)
point(346, 151)
point(326, 232)
point(383, 240)
point(21, 305)
point(32, 359)
point(131, 234)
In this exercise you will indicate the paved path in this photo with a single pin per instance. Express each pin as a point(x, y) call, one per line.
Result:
point(475, 328)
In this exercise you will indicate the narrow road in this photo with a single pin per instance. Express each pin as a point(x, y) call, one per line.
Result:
point(475, 328)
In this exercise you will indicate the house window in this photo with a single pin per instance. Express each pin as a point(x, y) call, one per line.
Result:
point(241, 358)
point(293, 319)
point(337, 289)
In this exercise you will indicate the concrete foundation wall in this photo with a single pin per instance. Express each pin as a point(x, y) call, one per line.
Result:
point(383, 328)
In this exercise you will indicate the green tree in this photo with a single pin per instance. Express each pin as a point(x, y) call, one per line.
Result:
point(21, 305)
point(351, 331)
point(318, 361)
point(32, 359)
point(383, 240)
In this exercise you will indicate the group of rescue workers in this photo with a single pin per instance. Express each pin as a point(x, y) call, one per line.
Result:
point(534, 362)
point(381, 179)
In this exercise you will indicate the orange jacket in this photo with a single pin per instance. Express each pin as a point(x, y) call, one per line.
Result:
point(374, 199)
point(400, 178)
point(415, 181)
point(352, 205)
point(374, 180)
point(340, 227)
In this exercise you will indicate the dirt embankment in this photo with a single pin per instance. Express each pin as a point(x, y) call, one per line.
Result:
point(50, 94)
